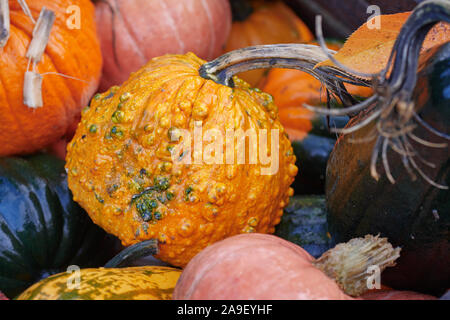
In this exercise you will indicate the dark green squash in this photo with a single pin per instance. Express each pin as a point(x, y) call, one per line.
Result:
point(42, 231)
point(304, 223)
point(412, 214)
point(312, 154)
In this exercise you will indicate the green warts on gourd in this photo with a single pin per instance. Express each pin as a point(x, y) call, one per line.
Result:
point(151, 198)
point(350, 263)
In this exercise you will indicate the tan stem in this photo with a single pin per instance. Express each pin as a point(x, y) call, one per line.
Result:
point(351, 264)
point(293, 56)
point(41, 34)
point(32, 90)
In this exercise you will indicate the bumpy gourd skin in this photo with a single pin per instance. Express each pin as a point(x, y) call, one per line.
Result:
point(121, 172)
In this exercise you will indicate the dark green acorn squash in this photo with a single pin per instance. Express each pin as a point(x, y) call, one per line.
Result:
point(412, 214)
point(312, 154)
point(304, 223)
point(42, 231)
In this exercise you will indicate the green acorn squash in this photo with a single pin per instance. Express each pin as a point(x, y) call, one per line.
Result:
point(412, 214)
point(42, 231)
point(304, 223)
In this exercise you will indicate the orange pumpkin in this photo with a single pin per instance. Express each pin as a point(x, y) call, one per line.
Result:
point(72, 52)
point(134, 31)
point(264, 22)
point(126, 161)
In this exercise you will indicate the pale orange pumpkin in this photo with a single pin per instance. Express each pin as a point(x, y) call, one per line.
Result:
point(264, 267)
point(134, 31)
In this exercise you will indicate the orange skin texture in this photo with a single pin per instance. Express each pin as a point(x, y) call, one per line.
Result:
point(270, 23)
point(146, 29)
point(224, 199)
point(368, 50)
point(75, 53)
point(255, 266)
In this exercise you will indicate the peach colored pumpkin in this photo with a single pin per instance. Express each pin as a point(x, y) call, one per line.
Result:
point(139, 30)
point(255, 266)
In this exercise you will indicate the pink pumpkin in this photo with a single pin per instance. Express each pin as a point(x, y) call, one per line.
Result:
point(255, 266)
point(134, 31)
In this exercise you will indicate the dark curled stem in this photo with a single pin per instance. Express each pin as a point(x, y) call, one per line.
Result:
point(132, 253)
point(393, 107)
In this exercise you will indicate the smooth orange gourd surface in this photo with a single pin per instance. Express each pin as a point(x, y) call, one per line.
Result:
point(122, 169)
point(74, 52)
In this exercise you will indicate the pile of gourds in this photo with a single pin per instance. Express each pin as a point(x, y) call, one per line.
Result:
point(115, 146)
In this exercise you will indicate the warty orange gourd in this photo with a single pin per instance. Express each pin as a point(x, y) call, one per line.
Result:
point(122, 171)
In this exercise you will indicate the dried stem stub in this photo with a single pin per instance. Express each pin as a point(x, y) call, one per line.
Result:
point(32, 89)
point(349, 263)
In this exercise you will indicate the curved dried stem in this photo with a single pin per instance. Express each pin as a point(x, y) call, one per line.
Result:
point(392, 105)
point(430, 128)
point(416, 154)
point(425, 177)
point(425, 142)
point(396, 145)
point(386, 162)
point(360, 125)
point(344, 111)
point(374, 159)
